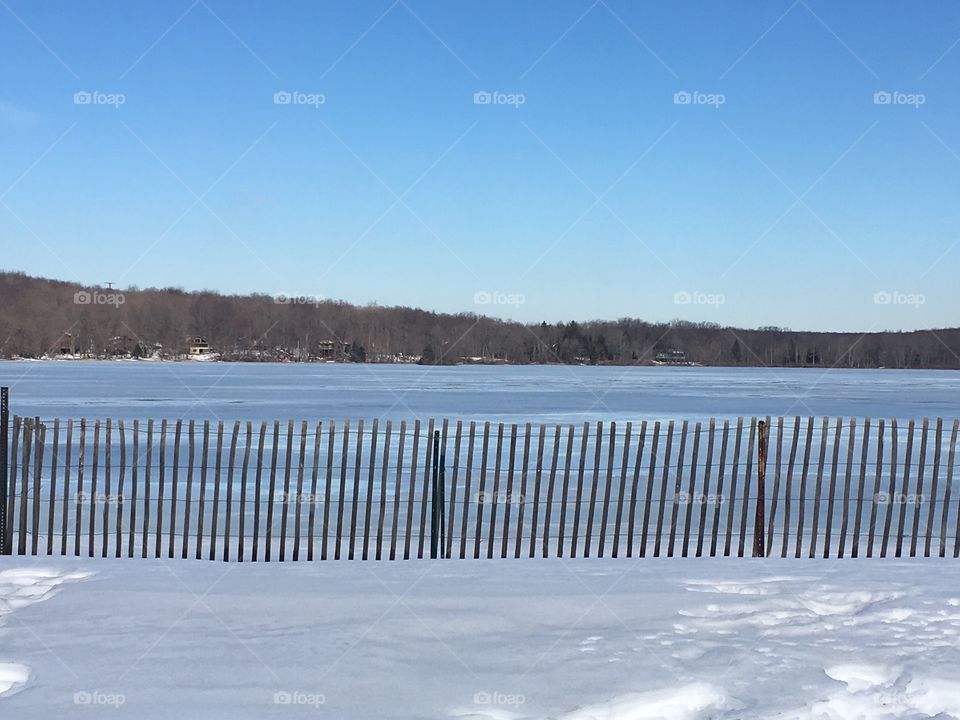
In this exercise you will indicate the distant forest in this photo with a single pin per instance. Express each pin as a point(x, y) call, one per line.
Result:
point(45, 318)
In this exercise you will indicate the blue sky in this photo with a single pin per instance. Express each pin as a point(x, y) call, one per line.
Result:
point(727, 162)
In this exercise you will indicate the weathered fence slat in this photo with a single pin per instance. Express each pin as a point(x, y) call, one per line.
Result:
point(574, 536)
point(285, 504)
point(425, 497)
point(12, 486)
point(665, 479)
point(496, 490)
point(397, 491)
point(241, 531)
point(228, 510)
point(951, 455)
point(902, 499)
point(355, 504)
point(412, 492)
point(876, 489)
point(818, 486)
point(371, 474)
point(934, 486)
point(832, 493)
point(272, 492)
point(888, 516)
point(94, 471)
point(677, 488)
point(54, 462)
point(721, 499)
point(608, 487)
point(120, 481)
point(133, 487)
point(634, 489)
point(258, 480)
point(381, 517)
point(648, 502)
point(314, 478)
point(537, 484)
point(215, 505)
point(202, 493)
point(66, 491)
point(173, 485)
point(328, 489)
point(146, 487)
point(864, 459)
point(747, 475)
point(188, 497)
point(565, 491)
point(551, 486)
point(40, 435)
point(848, 474)
point(594, 488)
point(454, 478)
point(624, 461)
point(734, 473)
point(704, 498)
point(691, 489)
point(481, 493)
point(918, 495)
point(24, 490)
point(775, 495)
point(804, 475)
point(522, 500)
point(468, 477)
point(788, 487)
point(508, 504)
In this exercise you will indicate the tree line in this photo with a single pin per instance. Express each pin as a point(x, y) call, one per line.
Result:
point(41, 317)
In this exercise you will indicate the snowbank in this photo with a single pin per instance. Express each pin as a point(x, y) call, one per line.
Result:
point(501, 640)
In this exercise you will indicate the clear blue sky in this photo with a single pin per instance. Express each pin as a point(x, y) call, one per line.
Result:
point(792, 203)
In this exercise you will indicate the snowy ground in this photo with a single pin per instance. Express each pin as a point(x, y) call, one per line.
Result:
point(577, 640)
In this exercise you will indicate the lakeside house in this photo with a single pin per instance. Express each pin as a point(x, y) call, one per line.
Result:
point(199, 348)
point(671, 357)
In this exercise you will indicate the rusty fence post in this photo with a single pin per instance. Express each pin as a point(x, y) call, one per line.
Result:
point(760, 521)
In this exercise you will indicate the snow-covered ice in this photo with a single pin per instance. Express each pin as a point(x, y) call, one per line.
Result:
point(502, 640)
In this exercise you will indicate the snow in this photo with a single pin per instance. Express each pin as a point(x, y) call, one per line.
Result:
point(682, 639)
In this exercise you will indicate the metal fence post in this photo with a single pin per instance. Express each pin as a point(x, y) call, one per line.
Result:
point(434, 497)
point(4, 466)
point(441, 511)
point(759, 520)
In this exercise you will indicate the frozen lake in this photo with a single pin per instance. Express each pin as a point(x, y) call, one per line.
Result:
point(249, 391)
